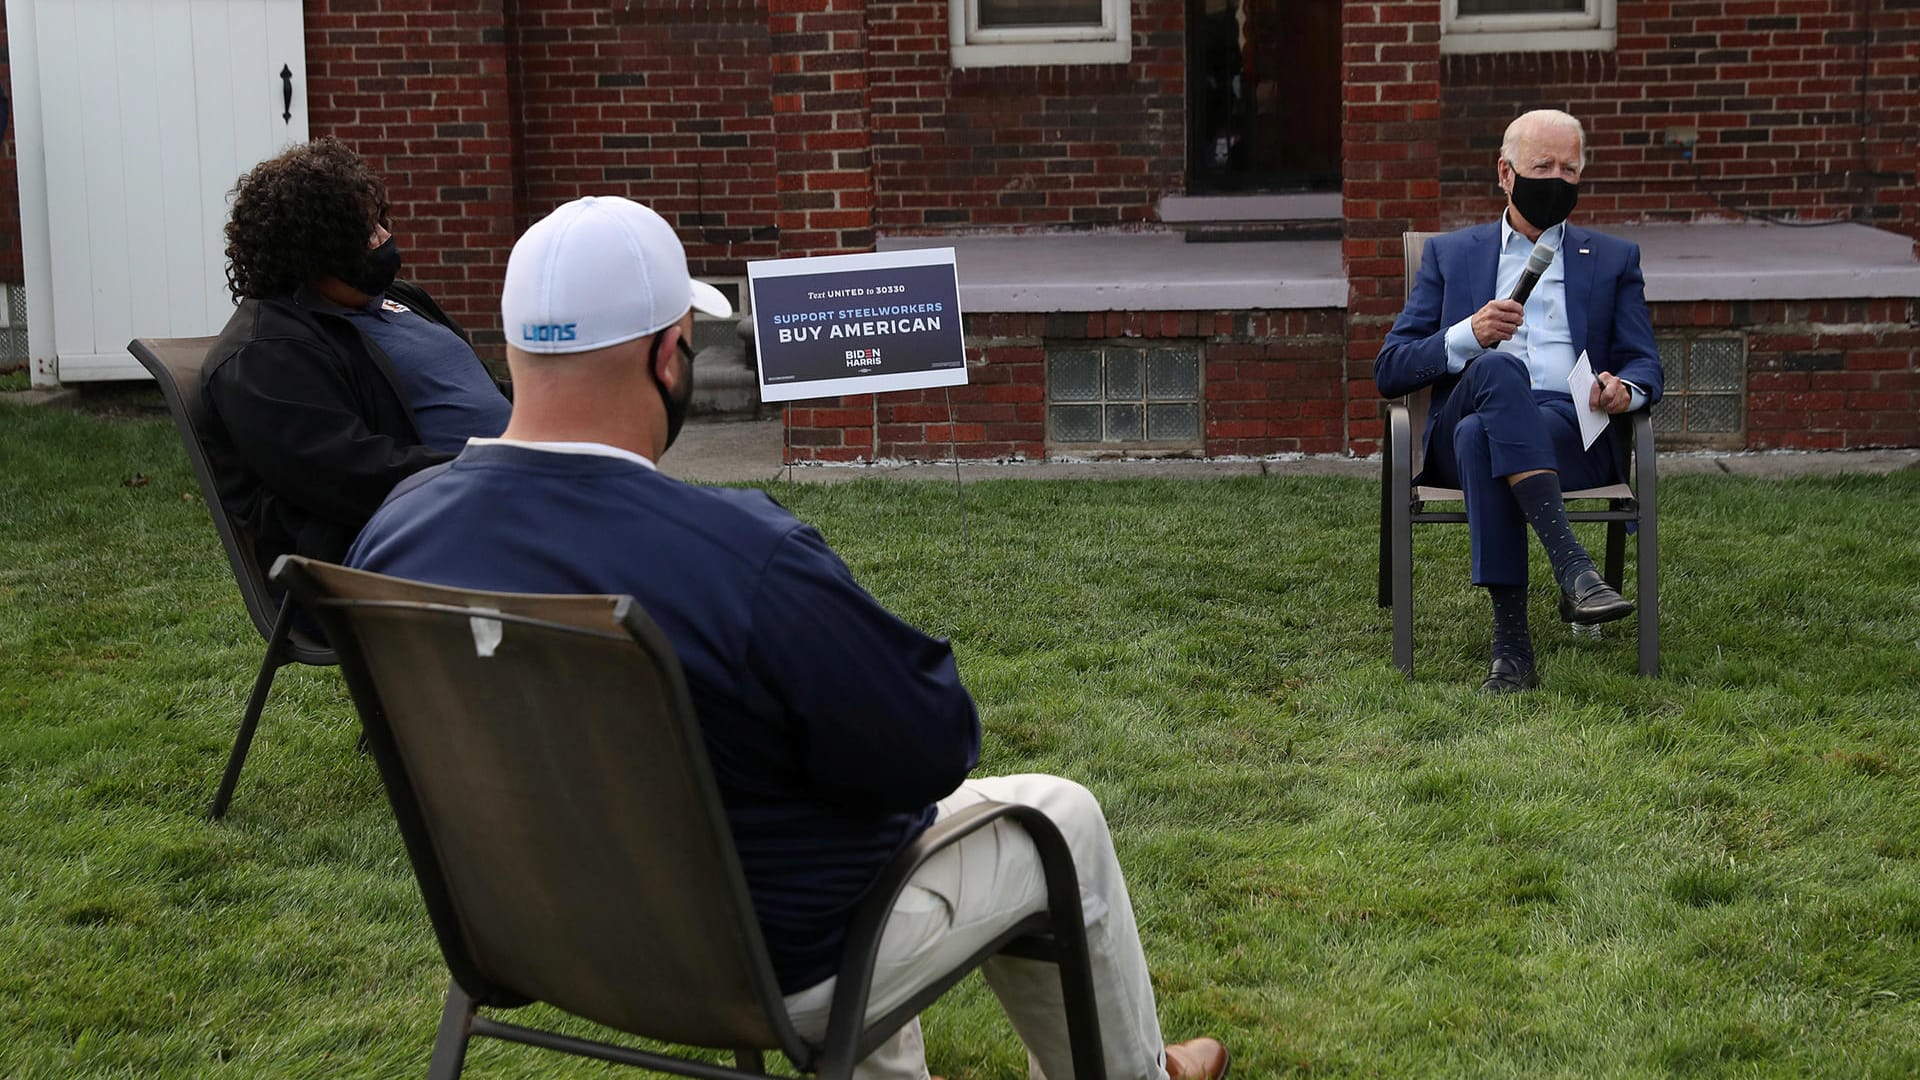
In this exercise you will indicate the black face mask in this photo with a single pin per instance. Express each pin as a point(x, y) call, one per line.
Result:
point(1545, 201)
point(376, 271)
point(676, 408)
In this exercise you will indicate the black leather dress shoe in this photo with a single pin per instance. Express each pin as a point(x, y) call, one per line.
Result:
point(1510, 676)
point(1592, 600)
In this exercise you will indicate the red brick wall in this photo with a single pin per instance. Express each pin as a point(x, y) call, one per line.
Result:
point(1276, 384)
point(1272, 384)
point(824, 146)
point(1824, 375)
point(1390, 79)
point(1023, 147)
point(419, 88)
point(823, 154)
point(1774, 88)
point(667, 102)
point(483, 116)
point(1001, 413)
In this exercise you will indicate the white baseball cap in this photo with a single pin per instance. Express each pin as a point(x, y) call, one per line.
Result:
point(596, 272)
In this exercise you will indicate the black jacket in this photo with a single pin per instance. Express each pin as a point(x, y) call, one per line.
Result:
point(308, 428)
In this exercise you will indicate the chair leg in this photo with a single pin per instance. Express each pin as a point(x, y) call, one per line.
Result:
point(262, 683)
point(1386, 530)
point(1083, 1017)
point(1646, 564)
point(752, 1062)
point(1646, 556)
point(1403, 591)
point(1616, 553)
point(1399, 512)
point(456, 1027)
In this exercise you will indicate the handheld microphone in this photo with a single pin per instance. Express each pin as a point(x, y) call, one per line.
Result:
point(1537, 264)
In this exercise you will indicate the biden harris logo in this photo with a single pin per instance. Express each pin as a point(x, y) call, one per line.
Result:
point(548, 331)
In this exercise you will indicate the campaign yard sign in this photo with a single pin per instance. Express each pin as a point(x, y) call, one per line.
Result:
point(857, 324)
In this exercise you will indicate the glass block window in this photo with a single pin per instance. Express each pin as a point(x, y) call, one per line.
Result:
point(13, 335)
point(1124, 396)
point(1705, 400)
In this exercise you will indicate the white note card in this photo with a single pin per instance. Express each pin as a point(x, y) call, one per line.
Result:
point(1592, 421)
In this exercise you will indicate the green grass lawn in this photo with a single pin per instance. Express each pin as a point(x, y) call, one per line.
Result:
point(1338, 872)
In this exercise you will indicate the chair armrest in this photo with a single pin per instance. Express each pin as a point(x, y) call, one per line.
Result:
point(855, 983)
point(1643, 440)
point(1645, 478)
point(1400, 437)
point(1396, 470)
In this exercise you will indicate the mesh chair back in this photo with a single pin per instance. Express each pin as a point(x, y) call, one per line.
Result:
point(175, 365)
point(548, 774)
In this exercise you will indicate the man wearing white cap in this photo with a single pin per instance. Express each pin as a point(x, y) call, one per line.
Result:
point(836, 731)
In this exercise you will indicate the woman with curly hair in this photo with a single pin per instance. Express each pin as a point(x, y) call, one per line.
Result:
point(333, 380)
point(303, 216)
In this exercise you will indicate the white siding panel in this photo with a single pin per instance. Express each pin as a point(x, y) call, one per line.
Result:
point(220, 163)
point(287, 44)
point(145, 112)
point(105, 135)
point(146, 265)
point(68, 224)
point(185, 228)
point(256, 82)
point(30, 144)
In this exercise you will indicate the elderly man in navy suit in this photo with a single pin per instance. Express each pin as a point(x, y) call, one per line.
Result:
point(1502, 424)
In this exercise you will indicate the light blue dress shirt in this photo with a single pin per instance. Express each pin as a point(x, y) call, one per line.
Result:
point(1545, 337)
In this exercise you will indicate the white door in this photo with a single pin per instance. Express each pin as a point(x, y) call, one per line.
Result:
point(133, 120)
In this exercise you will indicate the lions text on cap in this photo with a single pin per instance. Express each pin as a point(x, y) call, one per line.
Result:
point(548, 331)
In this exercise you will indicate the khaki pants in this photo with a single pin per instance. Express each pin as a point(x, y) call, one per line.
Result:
point(972, 890)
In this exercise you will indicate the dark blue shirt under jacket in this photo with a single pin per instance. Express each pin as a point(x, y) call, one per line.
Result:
point(832, 725)
point(451, 392)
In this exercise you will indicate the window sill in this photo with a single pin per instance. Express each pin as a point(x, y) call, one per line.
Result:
point(1206, 209)
point(1520, 41)
point(1040, 54)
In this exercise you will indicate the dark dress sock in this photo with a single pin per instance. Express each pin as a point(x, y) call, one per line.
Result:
point(1539, 499)
point(1510, 637)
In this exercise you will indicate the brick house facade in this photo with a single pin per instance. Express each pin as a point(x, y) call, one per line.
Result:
point(773, 128)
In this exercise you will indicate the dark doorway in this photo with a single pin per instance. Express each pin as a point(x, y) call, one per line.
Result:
point(1263, 95)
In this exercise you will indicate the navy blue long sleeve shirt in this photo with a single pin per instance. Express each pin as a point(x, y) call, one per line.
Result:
point(831, 724)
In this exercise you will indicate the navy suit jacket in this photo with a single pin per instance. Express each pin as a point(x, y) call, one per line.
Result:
point(1606, 310)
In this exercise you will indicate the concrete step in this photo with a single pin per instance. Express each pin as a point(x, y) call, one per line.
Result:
point(725, 384)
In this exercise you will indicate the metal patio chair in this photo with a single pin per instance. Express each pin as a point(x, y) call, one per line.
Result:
point(175, 364)
point(551, 784)
point(1403, 504)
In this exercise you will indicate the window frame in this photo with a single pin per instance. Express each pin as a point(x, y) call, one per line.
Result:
point(1592, 30)
point(971, 46)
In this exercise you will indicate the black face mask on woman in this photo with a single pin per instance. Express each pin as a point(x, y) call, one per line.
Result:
point(377, 270)
point(1545, 201)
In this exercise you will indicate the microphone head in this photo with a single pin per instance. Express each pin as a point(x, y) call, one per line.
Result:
point(1542, 256)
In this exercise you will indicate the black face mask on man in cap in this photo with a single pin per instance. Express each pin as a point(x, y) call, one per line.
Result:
point(1545, 201)
point(676, 407)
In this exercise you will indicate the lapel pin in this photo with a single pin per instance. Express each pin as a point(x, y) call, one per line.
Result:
point(1584, 251)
